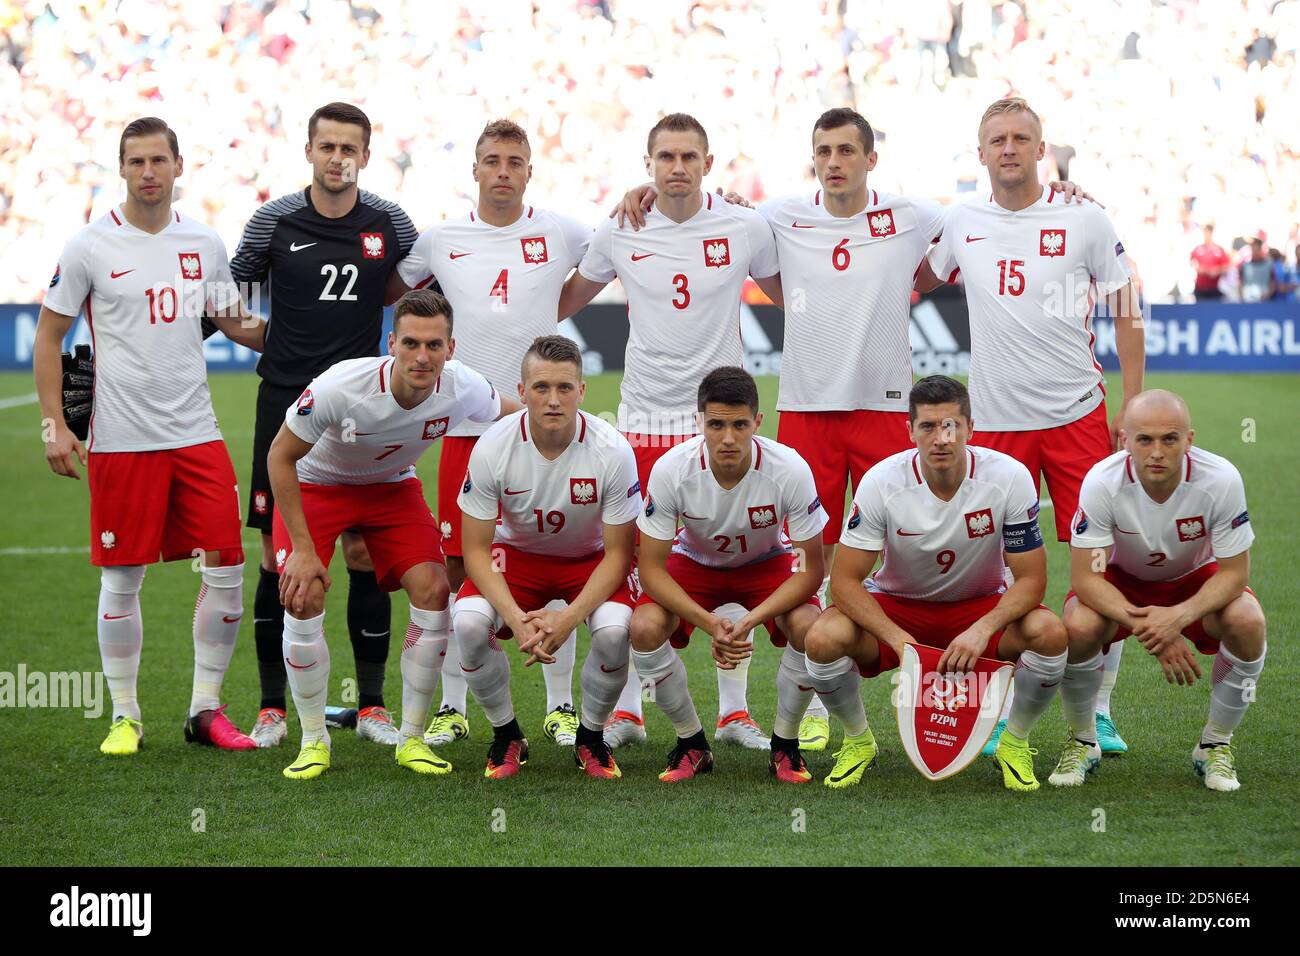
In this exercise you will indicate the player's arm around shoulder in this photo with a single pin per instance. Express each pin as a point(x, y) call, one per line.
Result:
point(594, 272)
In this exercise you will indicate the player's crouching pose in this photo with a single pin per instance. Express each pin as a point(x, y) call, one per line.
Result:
point(949, 518)
point(161, 481)
point(1161, 549)
point(547, 512)
point(345, 459)
point(733, 494)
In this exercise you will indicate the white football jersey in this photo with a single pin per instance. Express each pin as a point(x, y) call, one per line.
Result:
point(555, 507)
point(1031, 280)
point(144, 297)
point(849, 285)
point(503, 283)
point(729, 528)
point(937, 550)
point(683, 284)
point(361, 436)
point(1205, 518)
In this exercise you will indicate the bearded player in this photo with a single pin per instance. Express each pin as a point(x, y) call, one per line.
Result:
point(345, 458)
point(1032, 268)
point(1161, 550)
point(948, 519)
point(502, 267)
point(161, 481)
point(683, 274)
point(547, 507)
point(750, 526)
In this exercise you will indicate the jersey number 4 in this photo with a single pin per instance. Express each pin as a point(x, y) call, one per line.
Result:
point(501, 288)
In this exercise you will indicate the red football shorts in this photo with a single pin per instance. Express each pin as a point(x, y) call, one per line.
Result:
point(535, 580)
point(392, 518)
point(1164, 594)
point(932, 623)
point(1064, 454)
point(173, 502)
point(748, 586)
point(453, 464)
point(840, 447)
point(648, 450)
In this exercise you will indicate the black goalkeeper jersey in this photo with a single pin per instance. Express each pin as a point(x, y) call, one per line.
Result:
point(325, 279)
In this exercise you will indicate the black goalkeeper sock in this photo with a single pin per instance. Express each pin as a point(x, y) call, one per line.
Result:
point(508, 731)
point(268, 634)
point(370, 615)
point(696, 741)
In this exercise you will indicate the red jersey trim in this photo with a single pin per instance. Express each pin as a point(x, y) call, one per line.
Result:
point(113, 213)
point(1051, 194)
point(916, 471)
point(530, 212)
point(471, 216)
point(1128, 468)
point(708, 198)
point(1187, 476)
point(817, 199)
point(437, 385)
point(94, 382)
point(875, 200)
point(972, 462)
point(177, 215)
point(424, 282)
point(702, 464)
point(582, 432)
point(758, 454)
point(382, 366)
point(523, 427)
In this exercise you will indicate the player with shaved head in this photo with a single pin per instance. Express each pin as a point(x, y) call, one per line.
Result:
point(1161, 550)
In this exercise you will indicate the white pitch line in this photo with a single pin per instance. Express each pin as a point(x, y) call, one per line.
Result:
point(19, 400)
point(21, 552)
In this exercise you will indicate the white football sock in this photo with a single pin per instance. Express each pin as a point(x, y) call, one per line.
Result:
point(733, 684)
point(1036, 680)
point(217, 611)
point(1233, 688)
point(121, 632)
point(632, 698)
point(422, 659)
point(793, 693)
point(308, 659)
point(1079, 697)
point(602, 675)
point(559, 676)
point(485, 666)
point(664, 674)
point(1111, 656)
point(1006, 704)
point(454, 689)
point(816, 708)
point(837, 684)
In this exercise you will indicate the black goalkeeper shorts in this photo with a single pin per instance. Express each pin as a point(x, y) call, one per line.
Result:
point(272, 402)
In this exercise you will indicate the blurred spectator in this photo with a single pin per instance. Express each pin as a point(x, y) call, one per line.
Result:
point(1284, 277)
point(1171, 120)
point(1257, 280)
point(1210, 260)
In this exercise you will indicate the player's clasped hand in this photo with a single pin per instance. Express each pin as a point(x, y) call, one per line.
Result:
point(1179, 664)
point(539, 635)
point(302, 568)
point(730, 643)
point(1157, 627)
point(63, 452)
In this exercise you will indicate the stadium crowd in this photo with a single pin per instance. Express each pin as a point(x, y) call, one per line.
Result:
point(1173, 114)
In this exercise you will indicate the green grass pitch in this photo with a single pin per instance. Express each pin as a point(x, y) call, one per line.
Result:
point(62, 803)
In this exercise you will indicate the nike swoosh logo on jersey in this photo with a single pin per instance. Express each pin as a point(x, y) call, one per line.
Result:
point(908, 534)
point(118, 275)
point(294, 247)
point(523, 492)
point(970, 238)
point(795, 225)
point(226, 619)
point(644, 255)
point(458, 255)
point(115, 617)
